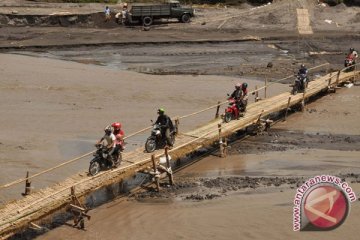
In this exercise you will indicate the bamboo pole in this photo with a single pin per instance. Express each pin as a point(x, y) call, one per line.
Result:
point(354, 73)
point(287, 108)
point(303, 100)
point(221, 146)
point(156, 177)
point(170, 175)
point(329, 83)
point(27, 185)
point(177, 122)
point(337, 78)
point(256, 94)
point(35, 225)
point(265, 90)
point(217, 110)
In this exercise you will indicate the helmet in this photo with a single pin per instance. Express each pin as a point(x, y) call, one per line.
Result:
point(352, 49)
point(302, 66)
point(161, 111)
point(108, 129)
point(244, 85)
point(238, 86)
point(125, 5)
point(116, 125)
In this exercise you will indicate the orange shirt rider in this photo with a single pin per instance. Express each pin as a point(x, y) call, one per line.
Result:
point(119, 134)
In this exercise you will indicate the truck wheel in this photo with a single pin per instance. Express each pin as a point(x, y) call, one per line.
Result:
point(147, 21)
point(185, 18)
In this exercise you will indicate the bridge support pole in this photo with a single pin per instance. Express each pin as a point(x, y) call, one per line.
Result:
point(169, 171)
point(222, 144)
point(78, 211)
point(156, 176)
point(331, 89)
point(177, 122)
point(337, 78)
point(217, 110)
point(303, 101)
point(256, 94)
point(329, 83)
point(27, 185)
point(287, 109)
point(265, 90)
point(354, 78)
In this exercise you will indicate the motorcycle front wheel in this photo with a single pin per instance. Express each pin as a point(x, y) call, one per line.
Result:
point(228, 117)
point(150, 145)
point(94, 168)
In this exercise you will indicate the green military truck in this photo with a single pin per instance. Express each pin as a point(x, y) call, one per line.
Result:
point(147, 13)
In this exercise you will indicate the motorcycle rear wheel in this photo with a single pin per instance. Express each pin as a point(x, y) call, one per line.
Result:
point(119, 159)
point(94, 168)
point(228, 117)
point(172, 139)
point(150, 145)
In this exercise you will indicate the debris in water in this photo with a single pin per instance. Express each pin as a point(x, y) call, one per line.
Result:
point(328, 21)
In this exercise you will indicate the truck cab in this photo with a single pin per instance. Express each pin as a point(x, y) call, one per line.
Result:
point(177, 11)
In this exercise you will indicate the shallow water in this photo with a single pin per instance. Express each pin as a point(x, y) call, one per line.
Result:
point(171, 58)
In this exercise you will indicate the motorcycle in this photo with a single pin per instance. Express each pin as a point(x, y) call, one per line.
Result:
point(349, 61)
point(300, 84)
point(102, 160)
point(157, 140)
point(232, 111)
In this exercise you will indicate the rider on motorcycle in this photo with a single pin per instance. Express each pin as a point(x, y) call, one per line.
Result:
point(238, 95)
point(110, 139)
point(303, 71)
point(119, 135)
point(245, 95)
point(165, 124)
point(353, 54)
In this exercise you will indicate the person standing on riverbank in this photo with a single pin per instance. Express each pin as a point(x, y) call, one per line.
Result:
point(107, 14)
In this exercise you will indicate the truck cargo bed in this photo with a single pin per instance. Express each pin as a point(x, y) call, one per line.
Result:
point(150, 10)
